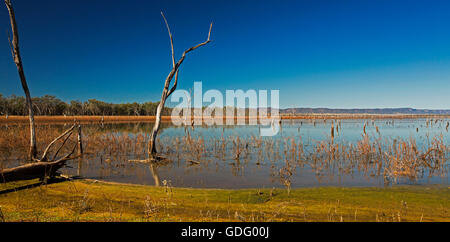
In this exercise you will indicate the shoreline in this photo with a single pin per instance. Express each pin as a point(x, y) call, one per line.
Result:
point(128, 119)
point(391, 186)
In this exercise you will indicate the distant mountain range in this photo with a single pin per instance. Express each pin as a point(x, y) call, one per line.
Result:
point(363, 111)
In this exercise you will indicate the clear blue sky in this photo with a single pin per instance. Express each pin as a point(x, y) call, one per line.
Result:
point(337, 54)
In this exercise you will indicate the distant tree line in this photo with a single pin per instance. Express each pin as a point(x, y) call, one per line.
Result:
point(50, 105)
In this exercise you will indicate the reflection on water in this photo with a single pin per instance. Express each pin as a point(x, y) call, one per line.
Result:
point(304, 153)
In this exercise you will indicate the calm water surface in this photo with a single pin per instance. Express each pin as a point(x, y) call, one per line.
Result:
point(208, 158)
point(253, 169)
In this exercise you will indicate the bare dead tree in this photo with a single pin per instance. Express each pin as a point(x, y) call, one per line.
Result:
point(166, 92)
point(14, 45)
point(43, 167)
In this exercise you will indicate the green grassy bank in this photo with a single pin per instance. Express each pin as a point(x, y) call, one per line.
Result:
point(85, 200)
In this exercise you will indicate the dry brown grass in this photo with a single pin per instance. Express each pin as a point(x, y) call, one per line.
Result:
point(128, 119)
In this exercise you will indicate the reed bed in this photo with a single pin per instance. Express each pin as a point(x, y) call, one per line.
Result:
point(374, 156)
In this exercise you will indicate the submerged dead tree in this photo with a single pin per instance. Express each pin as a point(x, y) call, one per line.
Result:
point(14, 44)
point(166, 92)
point(45, 166)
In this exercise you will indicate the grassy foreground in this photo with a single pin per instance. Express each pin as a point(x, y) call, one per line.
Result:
point(85, 200)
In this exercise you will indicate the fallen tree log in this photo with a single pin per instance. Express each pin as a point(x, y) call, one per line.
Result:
point(39, 170)
point(43, 169)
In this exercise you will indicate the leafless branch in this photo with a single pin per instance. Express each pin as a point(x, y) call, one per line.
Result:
point(171, 39)
point(67, 157)
point(174, 87)
point(62, 145)
point(44, 156)
point(180, 61)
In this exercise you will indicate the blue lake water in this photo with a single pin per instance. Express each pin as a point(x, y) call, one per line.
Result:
point(208, 158)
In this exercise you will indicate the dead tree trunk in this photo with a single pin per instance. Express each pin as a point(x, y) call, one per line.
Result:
point(166, 92)
point(43, 167)
point(14, 44)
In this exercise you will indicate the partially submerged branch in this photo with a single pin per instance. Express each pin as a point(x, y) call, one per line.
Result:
point(69, 131)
